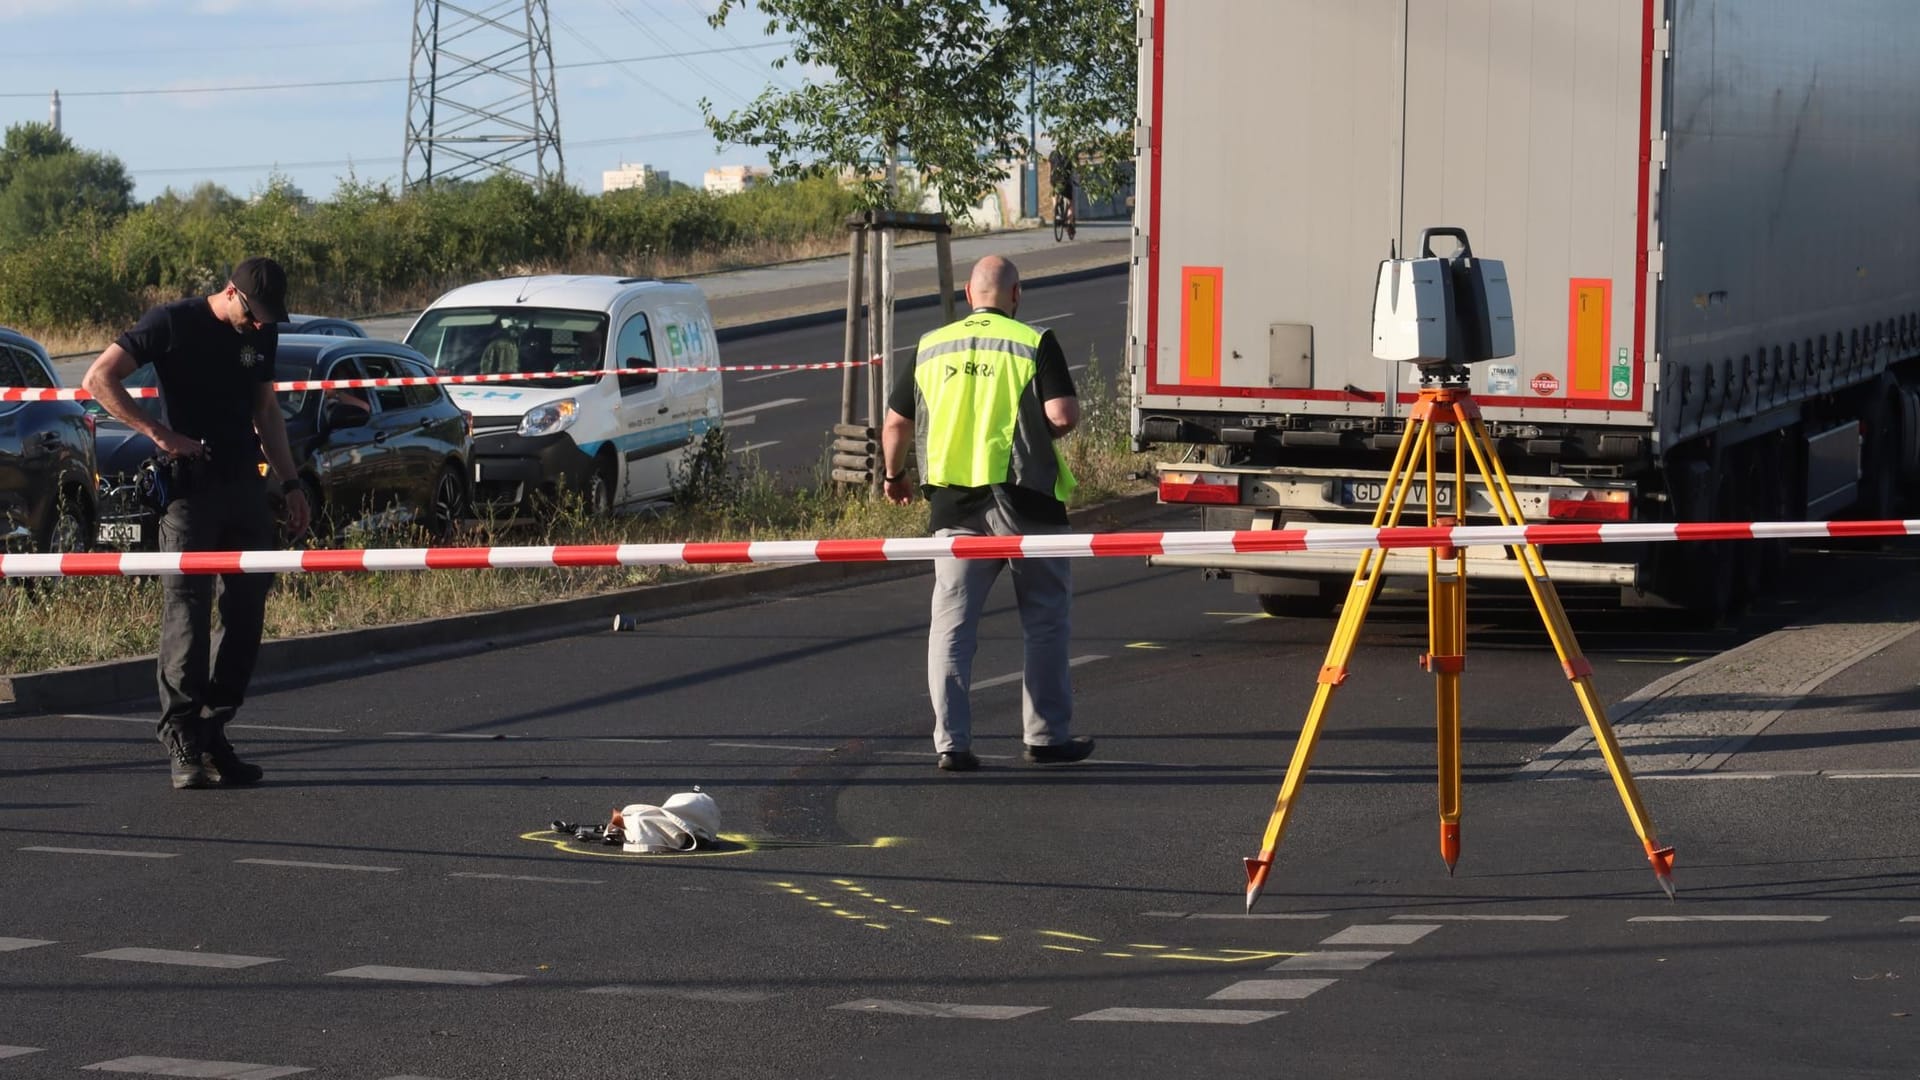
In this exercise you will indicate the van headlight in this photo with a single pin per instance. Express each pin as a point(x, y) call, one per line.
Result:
point(551, 418)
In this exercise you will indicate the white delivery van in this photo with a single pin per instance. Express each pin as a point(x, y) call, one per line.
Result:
point(611, 438)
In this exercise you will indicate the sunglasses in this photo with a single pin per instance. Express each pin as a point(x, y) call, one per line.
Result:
point(247, 309)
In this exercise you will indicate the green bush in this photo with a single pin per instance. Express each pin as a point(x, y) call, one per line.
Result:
point(369, 247)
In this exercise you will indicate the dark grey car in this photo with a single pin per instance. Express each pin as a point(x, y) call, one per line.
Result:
point(46, 458)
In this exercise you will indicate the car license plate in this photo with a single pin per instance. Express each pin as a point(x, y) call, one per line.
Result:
point(1370, 492)
point(119, 532)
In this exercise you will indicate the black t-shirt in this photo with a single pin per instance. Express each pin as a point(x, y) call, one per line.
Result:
point(949, 506)
point(210, 377)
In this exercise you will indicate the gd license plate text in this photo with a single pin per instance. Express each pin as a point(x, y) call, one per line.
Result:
point(1370, 492)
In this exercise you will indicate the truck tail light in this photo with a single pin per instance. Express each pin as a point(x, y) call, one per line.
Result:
point(1220, 489)
point(1594, 504)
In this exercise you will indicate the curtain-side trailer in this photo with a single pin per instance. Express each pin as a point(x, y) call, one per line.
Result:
point(1709, 212)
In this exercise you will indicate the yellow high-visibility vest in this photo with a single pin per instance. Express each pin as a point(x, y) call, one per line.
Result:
point(978, 423)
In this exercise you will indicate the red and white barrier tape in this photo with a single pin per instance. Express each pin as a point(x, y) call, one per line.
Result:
point(1073, 546)
point(29, 393)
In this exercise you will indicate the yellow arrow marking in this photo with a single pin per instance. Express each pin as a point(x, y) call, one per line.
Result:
point(1145, 645)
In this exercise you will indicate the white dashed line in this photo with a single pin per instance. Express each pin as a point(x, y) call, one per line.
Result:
point(1874, 776)
point(1049, 318)
point(477, 736)
point(769, 375)
point(18, 1051)
point(770, 746)
point(528, 877)
point(218, 1070)
point(1002, 680)
point(182, 958)
point(424, 975)
point(287, 727)
point(941, 1010)
point(720, 997)
point(1272, 990)
point(301, 865)
point(762, 407)
point(15, 944)
point(1480, 918)
point(756, 446)
point(650, 742)
point(1232, 916)
point(1380, 934)
point(1729, 918)
point(1352, 960)
point(104, 851)
point(1179, 1016)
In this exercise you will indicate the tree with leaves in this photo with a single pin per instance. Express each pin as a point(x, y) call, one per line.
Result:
point(47, 183)
point(1086, 96)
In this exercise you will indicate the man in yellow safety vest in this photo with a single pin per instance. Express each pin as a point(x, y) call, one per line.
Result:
point(988, 396)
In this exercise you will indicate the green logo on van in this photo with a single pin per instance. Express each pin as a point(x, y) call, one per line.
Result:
point(676, 340)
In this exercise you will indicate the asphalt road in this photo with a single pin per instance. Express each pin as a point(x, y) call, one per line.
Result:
point(387, 905)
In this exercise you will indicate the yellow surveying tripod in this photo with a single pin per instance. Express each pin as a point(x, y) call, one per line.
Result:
point(1444, 403)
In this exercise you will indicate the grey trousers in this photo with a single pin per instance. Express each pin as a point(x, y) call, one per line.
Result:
point(1043, 589)
point(204, 673)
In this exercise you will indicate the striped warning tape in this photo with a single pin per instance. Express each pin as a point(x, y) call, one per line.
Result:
point(1073, 546)
point(30, 393)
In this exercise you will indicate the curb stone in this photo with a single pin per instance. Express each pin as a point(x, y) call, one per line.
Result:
point(316, 658)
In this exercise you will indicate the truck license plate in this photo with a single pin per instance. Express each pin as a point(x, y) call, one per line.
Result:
point(119, 532)
point(1370, 492)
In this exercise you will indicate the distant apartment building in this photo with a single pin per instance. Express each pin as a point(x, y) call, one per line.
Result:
point(734, 179)
point(629, 176)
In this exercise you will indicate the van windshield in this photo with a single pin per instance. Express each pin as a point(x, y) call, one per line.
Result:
point(508, 340)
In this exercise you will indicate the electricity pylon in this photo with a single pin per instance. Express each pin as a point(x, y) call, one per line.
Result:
point(480, 95)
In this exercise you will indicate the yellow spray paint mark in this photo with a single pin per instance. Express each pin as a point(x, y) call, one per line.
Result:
point(878, 926)
point(986, 937)
point(938, 921)
point(1145, 645)
point(1137, 945)
point(1069, 937)
point(1062, 948)
point(1119, 955)
point(730, 844)
point(1209, 959)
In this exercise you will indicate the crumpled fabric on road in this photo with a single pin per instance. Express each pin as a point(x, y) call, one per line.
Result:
point(686, 821)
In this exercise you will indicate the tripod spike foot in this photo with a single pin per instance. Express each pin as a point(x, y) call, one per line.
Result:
point(1450, 844)
point(1662, 860)
point(1257, 871)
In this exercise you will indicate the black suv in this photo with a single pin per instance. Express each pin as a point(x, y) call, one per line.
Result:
point(46, 458)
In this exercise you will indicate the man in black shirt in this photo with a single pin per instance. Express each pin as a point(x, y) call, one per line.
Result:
point(214, 359)
point(987, 396)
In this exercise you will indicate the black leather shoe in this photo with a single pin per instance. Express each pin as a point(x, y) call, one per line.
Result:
point(1060, 753)
point(232, 771)
point(188, 772)
point(958, 761)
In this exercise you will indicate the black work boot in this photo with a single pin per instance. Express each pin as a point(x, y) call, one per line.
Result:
point(184, 762)
point(220, 755)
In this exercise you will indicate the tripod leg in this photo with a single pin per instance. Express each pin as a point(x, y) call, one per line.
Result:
point(1553, 615)
point(1367, 577)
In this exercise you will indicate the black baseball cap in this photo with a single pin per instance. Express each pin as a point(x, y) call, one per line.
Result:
point(265, 283)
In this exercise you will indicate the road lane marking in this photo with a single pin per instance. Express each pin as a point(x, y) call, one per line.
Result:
point(1479, 918)
point(1331, 960)
point(218, 1070)
point(15, 944)
point(527, 877)
point(1729, 918)
point(287, 727)
point(771, 746)
point(303, 865)
point(1179, 1016)
point(1379, 934)
point(720, 997)
point(745, 421)
point(183, 958)
point(1874, 776)
point(756, 446)
point(1272, 990)
point(1234, 915)
point(424, 975)
point(1002, 680)
point(762, 407)
point(103, 851)
point(1049, 318)
point(941, 1010)
point(769, 375)
point(18, 1051)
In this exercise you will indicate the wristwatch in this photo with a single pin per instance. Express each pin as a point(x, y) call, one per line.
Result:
point(891, 479)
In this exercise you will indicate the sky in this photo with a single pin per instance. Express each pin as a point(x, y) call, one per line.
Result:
point(218, 121)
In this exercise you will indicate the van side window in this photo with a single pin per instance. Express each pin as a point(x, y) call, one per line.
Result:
point(634, 349)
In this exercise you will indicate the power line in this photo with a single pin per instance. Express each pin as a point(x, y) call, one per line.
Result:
point(662, 43)
point(772, 74)
point(624, 70)
point(250, 88)
point(648, 137)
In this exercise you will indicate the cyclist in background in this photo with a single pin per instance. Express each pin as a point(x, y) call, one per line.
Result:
point(1061, 167)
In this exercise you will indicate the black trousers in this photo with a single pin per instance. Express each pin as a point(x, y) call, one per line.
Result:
point(203, 672)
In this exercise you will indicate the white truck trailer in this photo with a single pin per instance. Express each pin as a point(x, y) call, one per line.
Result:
point(1709, 212)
